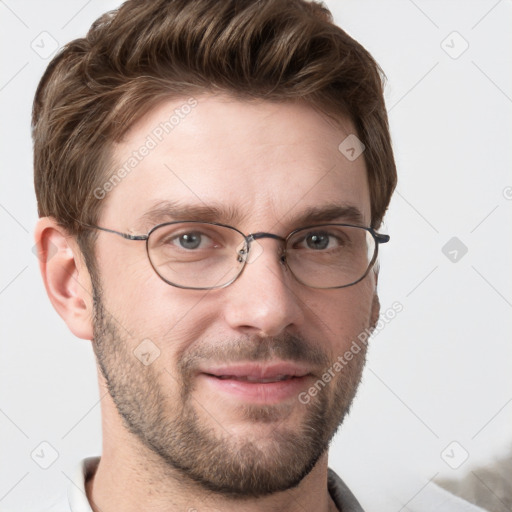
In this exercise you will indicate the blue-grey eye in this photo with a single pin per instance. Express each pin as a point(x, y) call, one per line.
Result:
point(318, 241)
point(190, 240)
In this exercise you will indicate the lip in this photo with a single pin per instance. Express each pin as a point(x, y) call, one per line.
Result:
point(257, 392)
point(258, 371)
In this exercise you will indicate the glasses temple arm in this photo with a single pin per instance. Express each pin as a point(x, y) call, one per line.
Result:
point(124, 235)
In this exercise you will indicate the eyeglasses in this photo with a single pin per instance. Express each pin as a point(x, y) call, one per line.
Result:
point(207, 255)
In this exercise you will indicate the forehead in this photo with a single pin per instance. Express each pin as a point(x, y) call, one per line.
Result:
point(259, 163)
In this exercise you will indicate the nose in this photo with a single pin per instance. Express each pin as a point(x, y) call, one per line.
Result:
point(264, 300)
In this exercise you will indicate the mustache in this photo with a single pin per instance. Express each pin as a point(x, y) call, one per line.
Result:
point(255, 348)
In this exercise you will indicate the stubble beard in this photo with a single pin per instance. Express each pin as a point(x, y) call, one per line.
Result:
point(198, 446)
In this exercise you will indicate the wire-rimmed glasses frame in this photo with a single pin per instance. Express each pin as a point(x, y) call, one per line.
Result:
point(243, 252)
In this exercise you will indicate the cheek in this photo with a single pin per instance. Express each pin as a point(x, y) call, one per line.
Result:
point(145, 306)
point(344, 314)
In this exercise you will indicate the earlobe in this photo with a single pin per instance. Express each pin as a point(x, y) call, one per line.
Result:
point(65, 276)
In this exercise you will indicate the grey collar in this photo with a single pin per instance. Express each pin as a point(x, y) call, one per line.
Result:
point(341, 494)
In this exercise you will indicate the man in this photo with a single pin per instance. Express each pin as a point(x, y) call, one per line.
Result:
point(211, 178)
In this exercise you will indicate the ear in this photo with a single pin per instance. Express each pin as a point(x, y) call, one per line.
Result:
point(375, 311)
point(65, 275)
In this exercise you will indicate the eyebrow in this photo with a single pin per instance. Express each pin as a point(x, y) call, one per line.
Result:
point(168, 211)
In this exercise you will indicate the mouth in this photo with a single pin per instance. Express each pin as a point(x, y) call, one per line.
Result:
point(277, 370)
point(250, 378)
point(258, 383)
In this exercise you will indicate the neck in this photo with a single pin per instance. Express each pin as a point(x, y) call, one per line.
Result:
point(130, 477)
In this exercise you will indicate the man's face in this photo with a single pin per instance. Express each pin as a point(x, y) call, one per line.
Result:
point(262, 164)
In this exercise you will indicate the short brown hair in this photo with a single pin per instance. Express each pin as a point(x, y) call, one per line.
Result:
point(98, 86)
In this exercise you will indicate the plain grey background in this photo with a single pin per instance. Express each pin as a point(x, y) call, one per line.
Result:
point(436, 394)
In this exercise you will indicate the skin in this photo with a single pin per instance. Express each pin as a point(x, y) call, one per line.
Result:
point(180, 444)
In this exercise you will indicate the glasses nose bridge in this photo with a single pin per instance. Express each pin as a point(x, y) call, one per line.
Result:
point(263, 234)
point(252, 237)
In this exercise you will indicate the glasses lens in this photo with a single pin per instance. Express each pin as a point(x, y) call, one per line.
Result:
point(197, 255)
point(330, 256)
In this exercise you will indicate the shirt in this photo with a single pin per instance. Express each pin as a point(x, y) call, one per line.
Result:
point(434, 500)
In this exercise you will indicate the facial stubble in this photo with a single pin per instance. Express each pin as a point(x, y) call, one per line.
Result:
point(189, 438)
